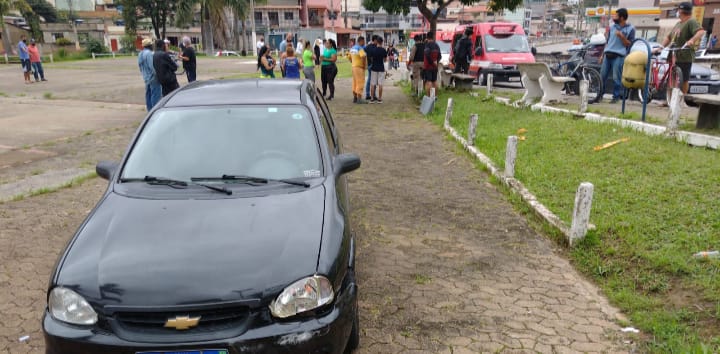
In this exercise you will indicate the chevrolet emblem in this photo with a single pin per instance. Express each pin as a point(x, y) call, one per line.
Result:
point(182, 322)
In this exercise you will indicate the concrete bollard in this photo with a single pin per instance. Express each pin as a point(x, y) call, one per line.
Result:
point(472, 128)
point(584, 88)
point(489, 83)
point(432, 92)
point(93, 55)
point(113, 53)
point(420, 88)
point(510, 155)
point(52, 60)
point(448, 112)
point(7, 60)
point(581, 212)
point(674, 114)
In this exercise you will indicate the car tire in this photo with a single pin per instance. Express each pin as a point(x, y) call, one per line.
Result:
point(354, 339)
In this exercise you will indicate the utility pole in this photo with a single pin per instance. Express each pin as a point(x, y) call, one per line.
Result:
point(345, 16)
point(254, 35)
point(73, 24)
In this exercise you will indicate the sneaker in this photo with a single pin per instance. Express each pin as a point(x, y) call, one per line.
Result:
point(372, 100)
point(43, 80)
point(379, 100)
point(367, 98)
point(662, 103)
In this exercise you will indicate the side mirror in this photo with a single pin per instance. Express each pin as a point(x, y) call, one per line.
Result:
point(478, 51)
point(345, 163)
point(106, 169)
point(533, 50)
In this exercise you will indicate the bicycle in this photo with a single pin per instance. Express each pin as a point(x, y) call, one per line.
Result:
point(664, 76)
point(576, 68)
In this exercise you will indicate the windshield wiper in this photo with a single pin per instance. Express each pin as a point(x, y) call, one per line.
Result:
point(176, 183)
point(251, 179)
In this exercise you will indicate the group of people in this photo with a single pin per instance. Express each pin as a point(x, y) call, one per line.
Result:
point(368, 69)
point(303, 58)
point(30, 60)
point(424, 60)
point(686, 35)
point(158, 68)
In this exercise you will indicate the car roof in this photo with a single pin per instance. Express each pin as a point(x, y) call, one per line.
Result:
point(234, 92)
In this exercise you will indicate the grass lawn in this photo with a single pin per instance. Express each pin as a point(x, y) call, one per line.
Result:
point(656, 203)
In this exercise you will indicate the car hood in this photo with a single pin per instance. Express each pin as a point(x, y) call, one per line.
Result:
point(143, 252)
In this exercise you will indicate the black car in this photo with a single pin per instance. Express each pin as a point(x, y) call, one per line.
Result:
point(224, 229)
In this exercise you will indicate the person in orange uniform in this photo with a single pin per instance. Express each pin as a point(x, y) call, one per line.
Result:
point(358, 57)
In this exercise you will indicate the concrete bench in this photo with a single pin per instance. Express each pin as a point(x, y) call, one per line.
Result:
point(445, 76)
point(540, 83)
point(463, 81)
point(709, 112)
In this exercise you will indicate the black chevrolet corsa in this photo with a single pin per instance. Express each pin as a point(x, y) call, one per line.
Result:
point(224, 229)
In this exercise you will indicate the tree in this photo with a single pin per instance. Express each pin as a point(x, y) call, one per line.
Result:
point(5, 7)
point(431, 9)
point(216, 26)
point(158, 11)
point(44, 9)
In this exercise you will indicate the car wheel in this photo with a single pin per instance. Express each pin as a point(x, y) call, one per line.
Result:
point(354, 340)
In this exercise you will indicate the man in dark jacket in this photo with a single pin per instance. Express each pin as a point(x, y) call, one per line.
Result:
point(415, 60)
point(463, 52)
point(165, 68)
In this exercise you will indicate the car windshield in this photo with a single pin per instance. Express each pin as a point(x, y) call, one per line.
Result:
point(506, 44)
point(444, 47)
point(275, 142)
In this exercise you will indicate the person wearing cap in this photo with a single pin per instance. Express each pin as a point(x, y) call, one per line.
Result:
point(24, 58)
point(36, 62)
point(153, 90)
point(686, 34)
point(165, 68)
point(620, 37)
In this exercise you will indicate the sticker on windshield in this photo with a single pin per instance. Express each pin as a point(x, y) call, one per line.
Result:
point(272, 110)
point(297, 116)
point(312, 173)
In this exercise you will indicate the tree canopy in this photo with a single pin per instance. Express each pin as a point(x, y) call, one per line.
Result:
point(431, 9)
point(44, 9)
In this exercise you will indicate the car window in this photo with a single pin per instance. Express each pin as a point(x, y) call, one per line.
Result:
point(506, 44)
point(329, 135)
point(260, 141)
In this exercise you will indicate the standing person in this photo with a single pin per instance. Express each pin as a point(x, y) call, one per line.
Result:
point(165, 68)
point(267, 63)
point(369, 49)
point(377, 71)
point(415, 61)
point(24, 58)
point(153, 89)
point(283, 48)
point(686, 34)
point(308, 58)
point(463, 52)
point(620, 37)
point(431, 59)
point(260, 43)
point(291, 64)
point(328, 69)
point(189, 59)
point(318, 50)
point(300, 46)
point(358, 58)
point(36, 62)
point(713, 41)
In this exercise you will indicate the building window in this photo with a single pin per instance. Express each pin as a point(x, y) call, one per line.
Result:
point(273, 19)
point(289, 16)
point(258, 17)
point(57, 35)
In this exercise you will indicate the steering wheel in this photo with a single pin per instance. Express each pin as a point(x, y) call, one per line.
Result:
point(274, 164)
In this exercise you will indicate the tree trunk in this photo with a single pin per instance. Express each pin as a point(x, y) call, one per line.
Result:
point(6, 39)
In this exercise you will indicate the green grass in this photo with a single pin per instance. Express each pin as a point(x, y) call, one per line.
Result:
point(656, 202)
point(422, 279)
point(48, 95)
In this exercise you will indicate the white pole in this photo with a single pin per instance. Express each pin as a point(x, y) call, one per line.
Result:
point(581, 212)
point(448, 112)
point(584, 86)
point(472, 128)
point(510, 156)
point(489, 83)
point(674, 115)
point(254, 35)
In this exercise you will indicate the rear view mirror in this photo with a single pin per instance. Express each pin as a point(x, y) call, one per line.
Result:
point(106, 169)
point(533, 50)
point(345, 163)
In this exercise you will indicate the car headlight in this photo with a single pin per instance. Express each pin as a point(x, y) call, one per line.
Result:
point(67, 306)
point(715, 76)
point(303, 295)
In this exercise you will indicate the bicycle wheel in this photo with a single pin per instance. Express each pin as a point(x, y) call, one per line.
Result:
point(652, 89)
point(595, 84)
point(674, 80)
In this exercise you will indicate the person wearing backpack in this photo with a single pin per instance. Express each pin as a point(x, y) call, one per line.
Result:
point(415, 60)
point(430, 62)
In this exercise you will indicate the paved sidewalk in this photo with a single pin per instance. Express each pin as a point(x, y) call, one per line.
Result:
point(445, 263)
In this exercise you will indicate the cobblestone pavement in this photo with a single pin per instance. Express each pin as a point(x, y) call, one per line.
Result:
point(445, 264)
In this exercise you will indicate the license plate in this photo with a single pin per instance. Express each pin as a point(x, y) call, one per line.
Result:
point(514, 78)
point(698, 89)
point(202, 351)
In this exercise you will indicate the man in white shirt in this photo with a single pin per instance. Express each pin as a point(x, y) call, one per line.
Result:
point(260, 43)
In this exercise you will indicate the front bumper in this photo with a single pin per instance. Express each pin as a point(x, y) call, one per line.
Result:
point(500, 74)
point(326, 334)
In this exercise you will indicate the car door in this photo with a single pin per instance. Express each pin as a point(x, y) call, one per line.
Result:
point(335, 148)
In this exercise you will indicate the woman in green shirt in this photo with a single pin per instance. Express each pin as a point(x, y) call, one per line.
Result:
point(308, 58)
point(328, 69)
